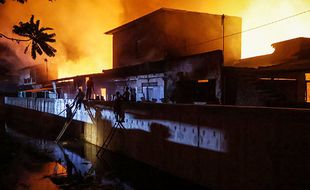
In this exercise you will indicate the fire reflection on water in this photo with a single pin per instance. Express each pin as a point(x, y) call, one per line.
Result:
point(35, 180)
point(41, 179)
point(39, 175)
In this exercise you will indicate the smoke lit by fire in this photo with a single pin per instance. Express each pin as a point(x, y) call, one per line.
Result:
point(83, 48)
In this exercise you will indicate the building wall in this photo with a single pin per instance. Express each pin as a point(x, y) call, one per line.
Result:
point(160, 80)
point(147, 87)
point(192, 33)
point(220, 147)
point(264, 88)
point(140, 43)
point(170, 34)
point(38, 74)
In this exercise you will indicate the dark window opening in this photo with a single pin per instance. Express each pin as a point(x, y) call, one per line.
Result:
point(205, 91)
point(40, 94)
point(189, 91)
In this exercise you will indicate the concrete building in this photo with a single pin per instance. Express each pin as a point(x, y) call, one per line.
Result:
point(170, 33)
point(188, 79)
point(277, 79)
point(162, 56)
point(35, 79)
point(37, 74)
point(149, 61)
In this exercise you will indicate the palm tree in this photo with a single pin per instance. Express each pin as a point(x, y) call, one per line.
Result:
point(37, 37)
point(20, 1)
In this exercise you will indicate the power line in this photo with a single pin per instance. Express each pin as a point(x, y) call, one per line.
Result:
point(251, 29)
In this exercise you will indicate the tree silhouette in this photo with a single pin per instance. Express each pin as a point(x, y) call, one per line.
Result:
point(32, 33)
point(37, 37)
point(20, 1)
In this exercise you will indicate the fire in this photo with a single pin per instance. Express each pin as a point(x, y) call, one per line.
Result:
point(80, 25)
point(98, 57)
point(258, 42)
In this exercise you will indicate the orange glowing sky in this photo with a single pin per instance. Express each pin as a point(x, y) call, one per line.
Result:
point(79, 25)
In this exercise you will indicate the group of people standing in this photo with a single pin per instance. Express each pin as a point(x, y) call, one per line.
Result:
point(79, 98)
point(128, 95)
point(118, 99)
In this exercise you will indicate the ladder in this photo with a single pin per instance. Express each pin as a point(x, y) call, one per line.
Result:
point(66, 125)
point(117, 125)
point(90, 114)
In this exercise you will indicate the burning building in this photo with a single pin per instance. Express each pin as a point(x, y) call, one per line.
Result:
point(169, 33)
point(34, 81)
point(163, 54)
point(277, 79)
point(156, 57)
point(220, 147)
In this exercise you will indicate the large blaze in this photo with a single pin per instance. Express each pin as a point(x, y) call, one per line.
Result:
point(80, 25)
point(261, 12)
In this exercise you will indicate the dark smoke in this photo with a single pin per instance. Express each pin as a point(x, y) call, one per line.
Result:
point(9, 61)
point(8, 58)
point(9, 64)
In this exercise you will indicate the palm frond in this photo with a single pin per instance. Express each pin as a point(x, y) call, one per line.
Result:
point(38, 36)
point(21, 1)
point(33, 51)
point(45, 28)
point(48, 50)
point(26, 49)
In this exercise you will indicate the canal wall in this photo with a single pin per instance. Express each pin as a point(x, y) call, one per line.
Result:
point(221, 147)
point(33, 117)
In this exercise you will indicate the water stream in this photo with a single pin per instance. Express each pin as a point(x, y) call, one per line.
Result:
point(112, 171)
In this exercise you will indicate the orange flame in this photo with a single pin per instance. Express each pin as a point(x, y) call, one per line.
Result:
point(257, 42)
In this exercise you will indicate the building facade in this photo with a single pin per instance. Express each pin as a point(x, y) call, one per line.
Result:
point(277, 79)
point(34, 81)
point(170, 33)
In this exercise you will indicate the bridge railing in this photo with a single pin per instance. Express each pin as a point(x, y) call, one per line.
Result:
point(52, 106)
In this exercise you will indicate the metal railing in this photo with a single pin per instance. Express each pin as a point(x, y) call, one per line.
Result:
point(52, 106)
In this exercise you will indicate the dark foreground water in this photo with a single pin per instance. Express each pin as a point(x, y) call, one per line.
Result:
point(34, 162)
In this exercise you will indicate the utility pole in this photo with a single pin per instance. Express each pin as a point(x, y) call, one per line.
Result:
point(46, 69)
point(222, 79)
point(223, 26)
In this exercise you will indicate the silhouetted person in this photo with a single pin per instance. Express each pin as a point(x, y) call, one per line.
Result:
point(59, 93)
point(102, 98)
point(89, 88)
point(69, 114)
point(118, 111)
point(126, 94)
point(133, 94)
point(79, 99)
